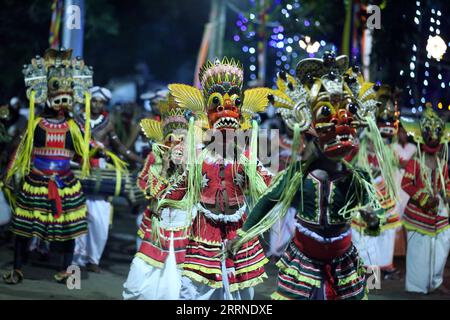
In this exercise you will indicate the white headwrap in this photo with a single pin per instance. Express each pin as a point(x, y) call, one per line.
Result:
point(100, 93)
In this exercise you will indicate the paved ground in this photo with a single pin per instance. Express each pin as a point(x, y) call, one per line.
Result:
point(115, 265)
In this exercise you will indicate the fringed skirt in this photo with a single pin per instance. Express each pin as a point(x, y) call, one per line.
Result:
point(173, 226)
point(50, 208)
point(207, 261)
point(303, 278)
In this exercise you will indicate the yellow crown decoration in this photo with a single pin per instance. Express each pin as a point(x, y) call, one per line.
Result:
point(221, 71)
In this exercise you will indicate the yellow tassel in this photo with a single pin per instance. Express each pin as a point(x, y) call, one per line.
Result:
point(87, 134)
point(22, 160)
point(120, 167)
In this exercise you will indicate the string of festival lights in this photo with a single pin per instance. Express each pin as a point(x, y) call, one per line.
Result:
point(288, 47)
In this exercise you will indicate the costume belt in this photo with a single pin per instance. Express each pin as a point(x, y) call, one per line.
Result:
point(53, 170)
point(226, 218)
point(45, 164)
point(321, 251)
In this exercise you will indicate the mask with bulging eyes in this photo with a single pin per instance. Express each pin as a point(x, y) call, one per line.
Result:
point(224, 103)
point(175, 143)
point(432, 128)
point(60, 89)
point(333, 116)
point(387, 114)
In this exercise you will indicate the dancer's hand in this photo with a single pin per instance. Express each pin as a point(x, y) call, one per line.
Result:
point(230, 245)
point(370, 218)
point(432, 203)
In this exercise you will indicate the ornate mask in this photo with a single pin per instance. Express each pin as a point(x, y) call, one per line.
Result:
point(430, 131)
point(221, 104)
point(387, 113)
point(328, 100)
point(170, 131)
point(222, 90)
point(58, 80)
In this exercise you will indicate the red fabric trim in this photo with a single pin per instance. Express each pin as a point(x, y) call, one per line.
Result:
point(53, 194)
point(321, 251)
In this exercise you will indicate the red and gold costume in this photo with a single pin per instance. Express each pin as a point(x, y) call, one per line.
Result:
point(155, 272)
point(222, 181)
point(426, 216)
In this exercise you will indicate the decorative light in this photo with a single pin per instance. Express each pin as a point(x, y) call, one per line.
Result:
point(436, 47)
point(440, 105)
point(251, 50)
point(308, 47)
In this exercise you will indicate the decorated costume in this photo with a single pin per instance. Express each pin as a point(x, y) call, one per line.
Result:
point(321, 262)
point(379, 250)
point(51, 205)
point(89, 248)
point(426, 216)
point(155, 271)
point(221, 177)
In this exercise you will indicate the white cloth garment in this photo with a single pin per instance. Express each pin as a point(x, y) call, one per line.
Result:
point(89, 247)
point(282, 233)
point(375, 251)
point(192, 290)
point(404, 153)
point(426, 257)
point(146, 282)
point(5, 211)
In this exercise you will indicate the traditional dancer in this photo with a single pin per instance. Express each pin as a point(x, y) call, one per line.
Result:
point(89, 247)
point(324, 188)
point(155, 271)
point(223, 173)
point(51, 205)
point(379, 250)
point(426, 216)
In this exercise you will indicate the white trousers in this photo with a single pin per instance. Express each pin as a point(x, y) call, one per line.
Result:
point(282, 233)
point(146, 282)
point(192, 290)
point(89, 247)
point(426, 257)
point(375, 251)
